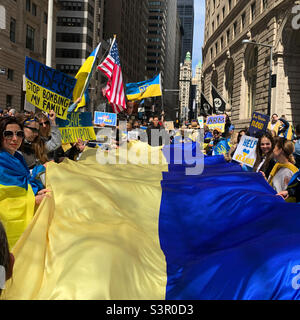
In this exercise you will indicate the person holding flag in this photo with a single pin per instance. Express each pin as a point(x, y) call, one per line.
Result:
point(114, 90)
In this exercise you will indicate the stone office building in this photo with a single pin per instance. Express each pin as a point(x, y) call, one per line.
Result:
point(241, 71)
point(23, 32)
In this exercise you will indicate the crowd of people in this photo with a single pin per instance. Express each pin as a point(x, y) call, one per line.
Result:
point(29, 141)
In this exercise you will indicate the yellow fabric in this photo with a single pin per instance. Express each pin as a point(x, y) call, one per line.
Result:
point(278, 166)
point(97, 237)
point(16, 210)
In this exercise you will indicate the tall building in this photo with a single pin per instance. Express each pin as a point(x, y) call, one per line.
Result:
point(79, 30)
point(240, 71)
point(128, 21)
point(197, 82)
point(163, 45)
point(185, 81)
point(186, 14)
point(23, 32)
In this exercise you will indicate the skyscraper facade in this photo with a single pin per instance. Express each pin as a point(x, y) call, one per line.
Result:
point(186, 14)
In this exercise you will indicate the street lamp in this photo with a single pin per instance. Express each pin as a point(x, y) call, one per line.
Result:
point(246, 41)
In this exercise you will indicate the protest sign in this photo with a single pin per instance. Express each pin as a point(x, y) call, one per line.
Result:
point(47, 88)
point(77, 125)
point(201, 122)
point(214, 122)
point(169, 125)
point(259, 123)
point(109, 119)
point(246, 151)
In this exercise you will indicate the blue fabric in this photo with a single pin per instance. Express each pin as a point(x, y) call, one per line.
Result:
point(226, 235)
point(208, 135)
point(14, 172)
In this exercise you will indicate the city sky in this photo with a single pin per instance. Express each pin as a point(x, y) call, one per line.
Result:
point(199, 7)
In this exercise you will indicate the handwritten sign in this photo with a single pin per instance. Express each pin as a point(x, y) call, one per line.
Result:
point(47, 88)
point(109, 119)
point(77, 125)
point(201, 122)
point(246, 151)
point(259, 123)
point(169, 125)
point(214, 122)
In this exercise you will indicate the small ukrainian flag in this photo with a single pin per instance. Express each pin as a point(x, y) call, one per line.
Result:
point(144, 89)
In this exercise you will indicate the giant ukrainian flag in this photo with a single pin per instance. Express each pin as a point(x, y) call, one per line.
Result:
point(151, 232)
point(144, 89)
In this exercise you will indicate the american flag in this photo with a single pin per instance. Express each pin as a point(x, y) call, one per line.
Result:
point(114, 90)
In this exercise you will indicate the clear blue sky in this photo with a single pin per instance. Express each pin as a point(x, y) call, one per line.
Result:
point(199, 17)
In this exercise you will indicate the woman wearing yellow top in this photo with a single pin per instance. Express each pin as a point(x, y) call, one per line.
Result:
point(285, 167)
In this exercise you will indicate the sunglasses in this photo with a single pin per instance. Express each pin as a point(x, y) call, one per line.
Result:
point(9, 134)
point(44, 123)
point(35, 130)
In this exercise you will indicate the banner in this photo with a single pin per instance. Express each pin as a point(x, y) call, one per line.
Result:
point(109, 119)
point(216, 122)
point(259, 123)
point(48, 89)
point(205, 107)
point(77, 125)
point(246, 151)
point(219, 104)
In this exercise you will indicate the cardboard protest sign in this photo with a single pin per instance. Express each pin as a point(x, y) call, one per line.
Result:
point(259, 123)
point(47, 88)
point(169, 125)
point(77, 125)
point(246, 151)
point(109, 119)
point(216, 122)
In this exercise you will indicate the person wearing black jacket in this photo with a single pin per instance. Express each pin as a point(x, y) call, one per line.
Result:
point(155, 133)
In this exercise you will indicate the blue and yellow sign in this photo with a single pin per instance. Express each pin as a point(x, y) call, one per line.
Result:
point(214, 122)
point(109, 119)
point(47, 88)
point(246, 151)
point(78, 125)
point(259, 123)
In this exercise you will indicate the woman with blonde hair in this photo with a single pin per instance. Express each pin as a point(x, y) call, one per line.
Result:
point(285, 168)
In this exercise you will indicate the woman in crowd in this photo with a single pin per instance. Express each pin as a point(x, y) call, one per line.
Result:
point(228, 156)
point(50, 134)
point(264, 154)
point(284, 169)
point(33, 147)
point(20, 191)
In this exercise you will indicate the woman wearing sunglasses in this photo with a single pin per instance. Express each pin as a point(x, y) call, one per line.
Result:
point(33, 147)
point(50, 134)
point(20, 191)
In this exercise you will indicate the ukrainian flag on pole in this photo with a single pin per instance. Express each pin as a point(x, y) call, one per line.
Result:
point(83, 77)
point(144, 89)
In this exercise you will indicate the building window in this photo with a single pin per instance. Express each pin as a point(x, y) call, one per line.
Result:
point(28, 5)
point(251, 73)
point(243, 20)
point(213, 26)
point(30, 38)
point(264, 4)
point(223, 12)
point(10, 74)
point(8, 100)
point(44, 47)
point(34, 9)
point(253, 11)
point(218, 20)
point(45, 18)
point(234, 29)
point(222, 42)
point(211, 53)
point(12, 31)
point(229, 4)
point(227, 36)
